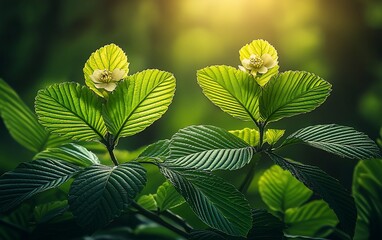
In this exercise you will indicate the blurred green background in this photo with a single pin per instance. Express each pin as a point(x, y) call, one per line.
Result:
point(44, 42)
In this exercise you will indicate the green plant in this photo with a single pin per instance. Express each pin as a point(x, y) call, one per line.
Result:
point(89, 193)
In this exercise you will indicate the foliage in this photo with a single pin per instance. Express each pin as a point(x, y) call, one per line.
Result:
point(96, 197)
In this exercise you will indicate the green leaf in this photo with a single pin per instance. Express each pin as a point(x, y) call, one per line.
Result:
point(108, 58)
point(101, 193)
point(51, 212)
point(167, 197)
point(70, 152)
point(71, 110)
point(280, 190)
point(206, 235)
point(234, 91)
point(367, 191)
point(265, 226)
point(250, 136)
point(31, 178)
point(16, 224)
point(138, 101)
point(273, 135)
point(340, 140)
point(208, 148)
point(291, 93)
point(159, 150)
point(22, 123)
point(148, 202)
point(260, 47)
point(217, 203)
point(327, 187)
point(314, 219)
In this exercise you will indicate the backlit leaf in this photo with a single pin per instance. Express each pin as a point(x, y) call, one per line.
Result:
point(291, 93)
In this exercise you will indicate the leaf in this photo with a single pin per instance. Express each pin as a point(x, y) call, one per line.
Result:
point(327, 187)
point(250, 136)
point(265, 226)
point(260, 47)
point(71, 110)
point(273, 135)
point(206, 235)
point(109, 58)
point(70, 152)
point(340, 140)
point(159, 150)
point(138, 101)
point(208, 148)
point(16, 224)
point(167, 197)
point(367, 191)
point(51, 212)
point(31, 178)
point(314, 219)
point(217, 203)
point(281, 191)
point(148, 202)
point(22, 123)
point(101, 193)
point(291, 93)
point(234, 91)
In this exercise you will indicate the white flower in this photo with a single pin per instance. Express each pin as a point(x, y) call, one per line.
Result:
point(255, 64)
point(106, 79)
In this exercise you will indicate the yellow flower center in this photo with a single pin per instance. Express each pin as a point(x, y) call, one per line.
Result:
point(106, 76)
point(256, 61)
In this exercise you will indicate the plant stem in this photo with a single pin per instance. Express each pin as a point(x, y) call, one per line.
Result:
point(177, 219)
point(261, 131)
point(112, 156)
point(159, 220)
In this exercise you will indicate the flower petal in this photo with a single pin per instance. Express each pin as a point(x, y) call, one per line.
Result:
point(246, 63)
point(242, 68)
point(117, 74)
point(262, 70)
point(107, 86)
point(96, 76)
point(269, 62)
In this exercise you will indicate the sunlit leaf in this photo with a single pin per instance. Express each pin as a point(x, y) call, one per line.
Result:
point(101, 193)
point(367, 191)
point(340, 140)
point(31, 178)
point(291, 93)
point(265, 226)
point(205, 147)
point(234, 91)
point(148, 202)
point(138, 101)
point(280, 190)
point(22, 123)
point(167, 197)
point(217, 203)
point(327, 187)
point(71, 110)
point(70, 152)
point(314, 219)
point(108, 58)
point(250, 136)
point(273, 135)
point(260, 47)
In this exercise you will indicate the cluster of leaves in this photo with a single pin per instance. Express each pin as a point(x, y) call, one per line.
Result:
point(100, 193)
